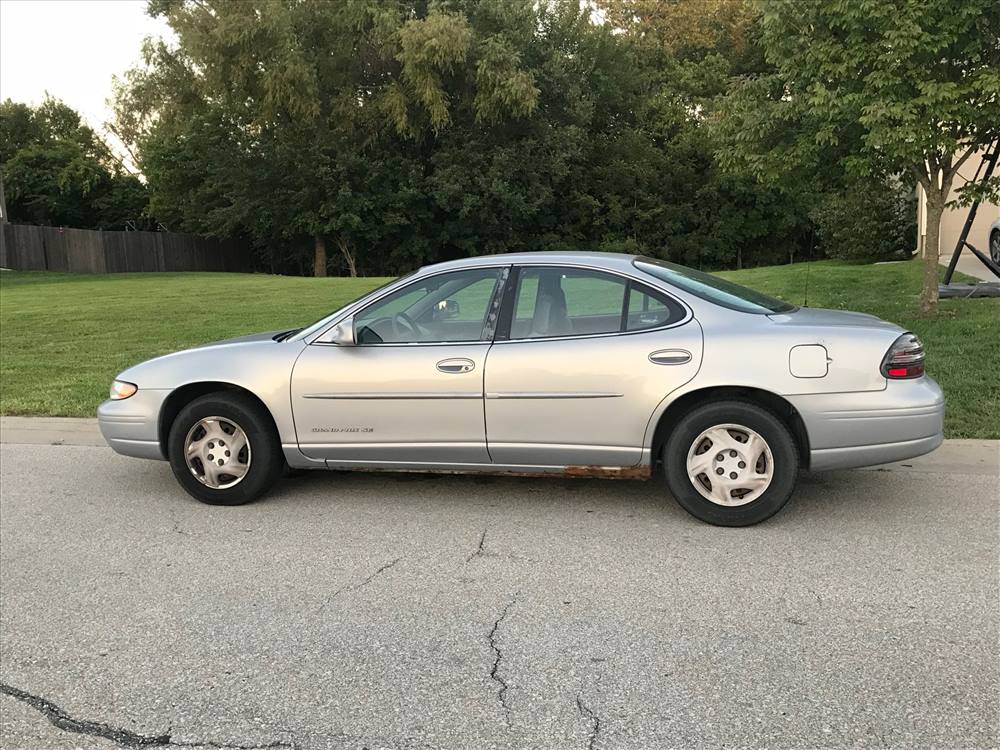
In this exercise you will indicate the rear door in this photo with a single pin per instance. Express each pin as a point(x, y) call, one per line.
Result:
point(581, 360)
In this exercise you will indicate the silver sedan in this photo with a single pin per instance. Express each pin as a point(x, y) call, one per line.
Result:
point(559, 364)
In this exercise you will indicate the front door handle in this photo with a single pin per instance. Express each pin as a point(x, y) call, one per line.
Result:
point(670, 357)
point(456, 366)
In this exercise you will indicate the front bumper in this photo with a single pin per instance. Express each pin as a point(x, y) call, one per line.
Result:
point(849, 430)
point(131, 426)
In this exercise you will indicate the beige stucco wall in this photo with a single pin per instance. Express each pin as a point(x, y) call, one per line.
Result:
point(954, 218)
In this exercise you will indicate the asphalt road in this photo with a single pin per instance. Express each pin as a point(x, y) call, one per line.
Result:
point(399, 611)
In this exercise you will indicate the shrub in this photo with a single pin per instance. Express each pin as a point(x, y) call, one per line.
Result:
point(868, 222)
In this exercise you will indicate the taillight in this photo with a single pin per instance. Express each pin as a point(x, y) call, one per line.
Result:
point(905, 358)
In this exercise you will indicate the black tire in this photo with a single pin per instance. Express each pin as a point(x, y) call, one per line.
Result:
point(265, 466)
point(995, 247)
point(783, 451)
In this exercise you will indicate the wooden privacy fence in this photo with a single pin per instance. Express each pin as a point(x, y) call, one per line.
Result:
point(25, 247)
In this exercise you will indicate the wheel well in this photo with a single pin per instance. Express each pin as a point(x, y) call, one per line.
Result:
point(770, 401)
point(184, 395)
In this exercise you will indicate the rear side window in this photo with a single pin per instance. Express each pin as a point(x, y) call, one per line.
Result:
point(551, 301)
point(646, 309)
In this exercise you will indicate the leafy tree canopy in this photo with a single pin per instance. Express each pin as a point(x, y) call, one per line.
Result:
point(57, 171)
point(910, 88)
point(403, 132)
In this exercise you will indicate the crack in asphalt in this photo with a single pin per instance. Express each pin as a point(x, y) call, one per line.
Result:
point(595, 727)
point(480, 550)
point(60, 719)
point(362, 584)
point(497, 658)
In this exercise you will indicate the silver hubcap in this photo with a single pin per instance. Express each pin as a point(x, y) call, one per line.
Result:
point(730, 465)
point(217, 452)
point(995, 247)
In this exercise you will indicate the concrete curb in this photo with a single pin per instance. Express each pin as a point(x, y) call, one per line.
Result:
point(980, 457)
point(50, 431)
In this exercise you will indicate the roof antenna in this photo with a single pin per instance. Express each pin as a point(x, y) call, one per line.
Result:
point(805, 296)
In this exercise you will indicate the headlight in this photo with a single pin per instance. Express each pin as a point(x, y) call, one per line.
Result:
point(120, 389)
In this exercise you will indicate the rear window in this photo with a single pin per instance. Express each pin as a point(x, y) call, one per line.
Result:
point(712, 288)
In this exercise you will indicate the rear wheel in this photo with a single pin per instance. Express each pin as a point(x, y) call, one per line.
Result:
point(995, 247)
point(223, 449)
point(731, 463)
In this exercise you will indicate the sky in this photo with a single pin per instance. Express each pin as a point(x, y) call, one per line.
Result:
point(71, 49)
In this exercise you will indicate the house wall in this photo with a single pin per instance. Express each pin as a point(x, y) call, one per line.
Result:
point(954, 218)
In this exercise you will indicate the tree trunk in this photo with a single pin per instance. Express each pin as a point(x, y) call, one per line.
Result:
point(935, 209)
point(319, 258)
point(345, 250)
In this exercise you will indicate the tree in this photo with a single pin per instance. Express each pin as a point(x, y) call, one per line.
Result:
point(909, 88)
point(298, 96)
point(397, 133)
point(57, 171)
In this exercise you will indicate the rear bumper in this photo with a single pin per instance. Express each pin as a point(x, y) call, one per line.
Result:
point(131, 426)
point(849, 430)
point(869, 455)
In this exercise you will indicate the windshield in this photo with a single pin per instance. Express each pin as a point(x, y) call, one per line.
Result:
point(713, 288)
point(312, 326)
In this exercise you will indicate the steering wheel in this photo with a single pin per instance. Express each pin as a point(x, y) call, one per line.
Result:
point(403, 327)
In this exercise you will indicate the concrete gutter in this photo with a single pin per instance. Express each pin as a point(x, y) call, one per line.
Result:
point(50, 431)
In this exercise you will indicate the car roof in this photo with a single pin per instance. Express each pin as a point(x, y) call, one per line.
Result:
point(594, 259)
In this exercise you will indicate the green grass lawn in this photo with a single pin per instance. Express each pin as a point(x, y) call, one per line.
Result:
point(63, 337)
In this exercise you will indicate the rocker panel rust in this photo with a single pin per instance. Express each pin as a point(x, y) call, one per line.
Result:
point(584, 471)
point(609, 472)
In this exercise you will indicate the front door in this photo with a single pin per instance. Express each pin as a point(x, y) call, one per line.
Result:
point(579, 366)
point(411, 390)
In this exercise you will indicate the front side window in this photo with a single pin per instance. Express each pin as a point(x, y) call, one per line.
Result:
point(446, 308)
point(553, 301)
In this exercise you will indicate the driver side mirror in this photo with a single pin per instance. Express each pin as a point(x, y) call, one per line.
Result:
point(342, 334)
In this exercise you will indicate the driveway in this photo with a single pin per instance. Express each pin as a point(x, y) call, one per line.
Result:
point(969, 264)
point(407, 611)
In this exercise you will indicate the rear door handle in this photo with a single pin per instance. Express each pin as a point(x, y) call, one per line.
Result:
point(456, 366)
point(670, 357)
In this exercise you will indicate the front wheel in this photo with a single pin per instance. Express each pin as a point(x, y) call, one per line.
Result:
point(223, 449)
point(731, 463)
point(995, 247)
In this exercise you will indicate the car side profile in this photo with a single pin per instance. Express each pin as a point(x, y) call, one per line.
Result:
point(560, 364)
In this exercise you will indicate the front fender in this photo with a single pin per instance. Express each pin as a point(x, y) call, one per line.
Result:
point(262, 367)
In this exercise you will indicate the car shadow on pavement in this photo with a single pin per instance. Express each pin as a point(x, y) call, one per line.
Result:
point(818, 496)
